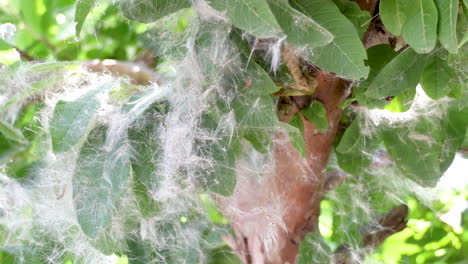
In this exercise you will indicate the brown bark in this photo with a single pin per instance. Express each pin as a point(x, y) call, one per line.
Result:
point(272, 216)
point(293, 191)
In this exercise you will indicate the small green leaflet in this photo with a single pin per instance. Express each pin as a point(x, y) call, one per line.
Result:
point(393, 15)
point(71, 120)
point(345, 55)
point(100, 177)
point(297, 137)
point(83, 7)
point(420, 28)
point(317, 114)
point(253, 16)
point(436, 78)
point(401, 74)
point(447, 26)
point(301, 30)
point(147, 11)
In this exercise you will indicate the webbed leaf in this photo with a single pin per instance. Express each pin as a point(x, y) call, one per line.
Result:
point(100, 177)
point(72, 119)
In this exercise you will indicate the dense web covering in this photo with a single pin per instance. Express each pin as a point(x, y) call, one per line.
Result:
point(137, 170)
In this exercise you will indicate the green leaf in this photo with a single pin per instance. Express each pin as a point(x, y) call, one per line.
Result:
point(301, 30)
point(401, 102)
point(297, 137)
point(393, 15)
point(455, 125)
point(83, 7)
point(8, 149)
point(99, 179)
point(259, 138)
point(253, 105)
point(147, 11)
point(71, 120)
point(314, 249)
point(447, 25)
point(345, 55)
point(436, 78)
point(353, 163)
point(317, 114)
point(401, 74)
point(143, 136)
point(378, 56)
point(220, 177)
point(420, 29)
point(415, 151)
point(353, 151)
point(352, 139)
point(253, 16)
point(11, 133)
point(360, 18)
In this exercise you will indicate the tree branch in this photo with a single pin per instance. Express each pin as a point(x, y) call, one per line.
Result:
point(139, 73)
